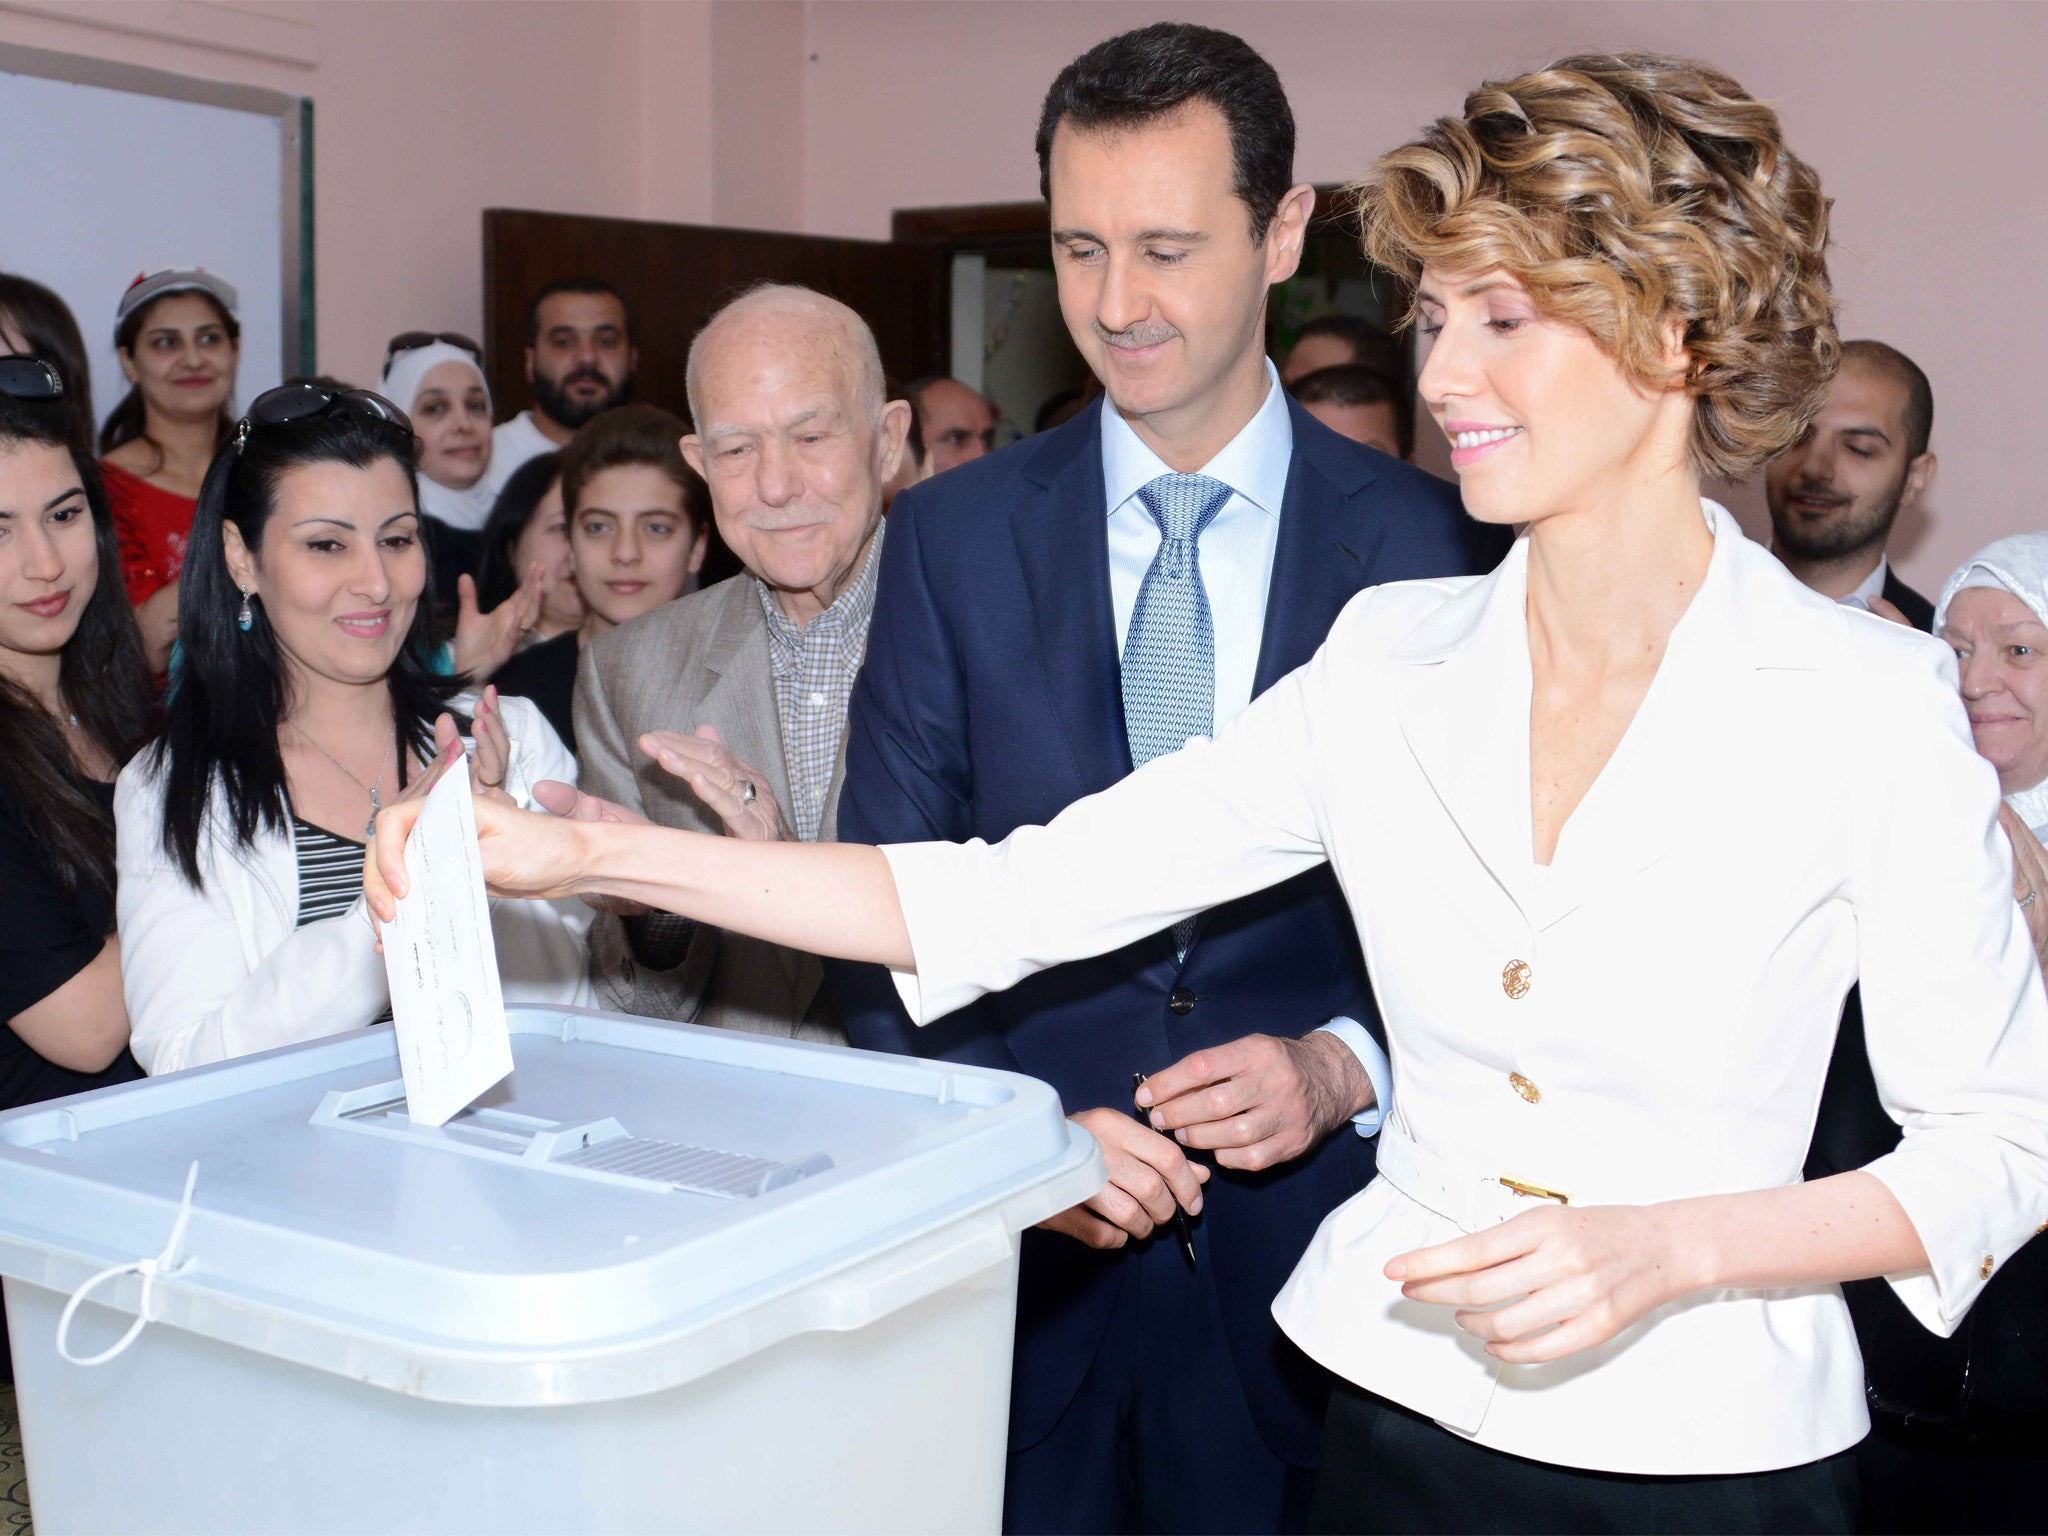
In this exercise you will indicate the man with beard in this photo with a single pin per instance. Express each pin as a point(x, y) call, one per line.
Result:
point(1836, 493)
point(580, 360)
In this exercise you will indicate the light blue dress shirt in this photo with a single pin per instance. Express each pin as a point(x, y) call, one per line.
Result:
point(1236, 558)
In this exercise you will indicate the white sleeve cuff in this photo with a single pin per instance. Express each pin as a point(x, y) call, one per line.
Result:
point(1354, 1034)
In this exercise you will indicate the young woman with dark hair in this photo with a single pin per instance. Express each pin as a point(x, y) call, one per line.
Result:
point(305, 701)
point(74, 702)
point(528, 526)
point(74, 706)
point(35, 322)
point(179, 343)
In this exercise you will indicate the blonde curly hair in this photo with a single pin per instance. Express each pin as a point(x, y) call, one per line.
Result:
point(1624, 191)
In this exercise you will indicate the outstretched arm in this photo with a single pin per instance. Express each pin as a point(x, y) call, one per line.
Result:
point(830, 898)
point(1186, 832)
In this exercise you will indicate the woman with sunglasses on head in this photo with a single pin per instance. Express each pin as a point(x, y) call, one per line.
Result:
point(305, 701)
point(35, 322)
point(74, 706)
point(1589, 1289)
point(179, 343)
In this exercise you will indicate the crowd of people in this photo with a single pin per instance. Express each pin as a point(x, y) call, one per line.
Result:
point(1661, 928)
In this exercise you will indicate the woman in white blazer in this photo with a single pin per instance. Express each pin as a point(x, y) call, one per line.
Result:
point(304, 702)
point(1620, 823)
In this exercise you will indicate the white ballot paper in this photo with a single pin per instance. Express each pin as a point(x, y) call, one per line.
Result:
point(443, 963)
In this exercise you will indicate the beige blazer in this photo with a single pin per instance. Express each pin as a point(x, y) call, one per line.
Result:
point(701, 660)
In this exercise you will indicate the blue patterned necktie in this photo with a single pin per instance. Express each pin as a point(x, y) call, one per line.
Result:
point(1169, 663)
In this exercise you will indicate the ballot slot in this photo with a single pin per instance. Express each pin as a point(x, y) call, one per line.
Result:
point(603, 1151)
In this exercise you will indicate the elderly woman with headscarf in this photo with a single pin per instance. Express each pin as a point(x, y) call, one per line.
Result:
point(1956, 1422)
point(1994, 613)
point(437, 379)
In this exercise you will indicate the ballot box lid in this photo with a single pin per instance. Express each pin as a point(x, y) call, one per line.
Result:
point(638, 1204)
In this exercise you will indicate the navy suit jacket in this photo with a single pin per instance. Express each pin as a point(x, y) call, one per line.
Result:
point(991, 699)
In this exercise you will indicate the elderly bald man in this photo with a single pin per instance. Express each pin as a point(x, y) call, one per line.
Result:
point(726, 709)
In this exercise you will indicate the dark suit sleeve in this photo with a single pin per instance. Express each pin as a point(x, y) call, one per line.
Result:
point(1450, 541)
point(1918, 611)
point(908, 778)
point(1485, 544)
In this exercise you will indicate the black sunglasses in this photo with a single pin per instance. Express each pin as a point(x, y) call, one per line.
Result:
point(410, 341)
point(29, 378)
point(302, 402)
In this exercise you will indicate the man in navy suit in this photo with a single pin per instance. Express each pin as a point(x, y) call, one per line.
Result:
point(1054, 613)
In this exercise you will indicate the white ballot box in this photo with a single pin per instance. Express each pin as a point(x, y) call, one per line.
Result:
point(658, 1279)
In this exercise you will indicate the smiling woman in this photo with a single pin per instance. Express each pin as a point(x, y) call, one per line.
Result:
point(1994, 614)
point(305, 702)
point(179, 344)
point(73, 706)
point(74, 698)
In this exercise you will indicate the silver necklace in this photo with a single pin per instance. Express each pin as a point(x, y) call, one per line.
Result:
point(376, 802)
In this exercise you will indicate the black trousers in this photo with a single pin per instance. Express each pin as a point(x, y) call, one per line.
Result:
point(1387, 1469)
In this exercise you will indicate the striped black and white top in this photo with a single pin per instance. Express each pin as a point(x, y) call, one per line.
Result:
point(330, 871)
point(330, 877)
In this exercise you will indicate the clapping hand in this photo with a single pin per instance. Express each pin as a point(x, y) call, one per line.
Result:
point(735, 793)
point(484, 642)
point(491, 761)
point(488, 763)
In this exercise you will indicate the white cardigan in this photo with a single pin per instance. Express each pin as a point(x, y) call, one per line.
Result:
point(1796, 804)
point(221, 971)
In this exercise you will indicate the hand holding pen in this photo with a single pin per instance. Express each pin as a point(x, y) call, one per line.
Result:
point(1180, 1217)
point(1150, 1178)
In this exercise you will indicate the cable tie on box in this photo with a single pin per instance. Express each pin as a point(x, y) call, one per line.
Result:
point(165, 1263)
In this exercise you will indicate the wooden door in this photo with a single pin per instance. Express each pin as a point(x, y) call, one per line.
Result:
point(675, 276)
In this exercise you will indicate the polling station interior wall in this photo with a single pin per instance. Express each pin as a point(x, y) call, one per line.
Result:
point(1924, 117)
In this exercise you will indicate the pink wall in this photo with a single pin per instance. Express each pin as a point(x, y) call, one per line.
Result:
point(760, 110)
point(1924, 118)
point(1925, 121)
point(673, 43)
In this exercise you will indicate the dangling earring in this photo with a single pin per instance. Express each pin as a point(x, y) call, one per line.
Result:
point(245, 618)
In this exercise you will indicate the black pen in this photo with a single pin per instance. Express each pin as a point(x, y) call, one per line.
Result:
point(1180, 1217)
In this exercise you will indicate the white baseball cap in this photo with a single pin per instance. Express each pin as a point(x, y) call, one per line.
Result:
point(154, 285)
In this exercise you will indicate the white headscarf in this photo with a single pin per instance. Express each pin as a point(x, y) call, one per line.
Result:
point(401, 386)
point(2018, 565)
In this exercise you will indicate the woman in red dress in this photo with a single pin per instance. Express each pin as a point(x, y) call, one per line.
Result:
point(179, 343)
